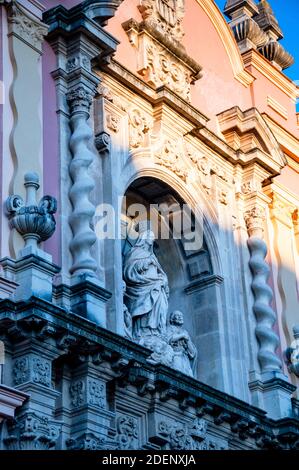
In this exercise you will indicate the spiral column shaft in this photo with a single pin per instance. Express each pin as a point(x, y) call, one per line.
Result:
point(81, 218)
point(264, 314)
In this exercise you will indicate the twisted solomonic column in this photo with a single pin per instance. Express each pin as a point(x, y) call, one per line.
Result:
point(79, 100)
point(265, 316)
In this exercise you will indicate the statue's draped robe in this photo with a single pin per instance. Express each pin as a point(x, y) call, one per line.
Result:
point(146, 292)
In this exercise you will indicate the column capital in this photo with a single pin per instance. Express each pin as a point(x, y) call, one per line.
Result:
point(255, 218)
point(79, 99)
point(25, 26)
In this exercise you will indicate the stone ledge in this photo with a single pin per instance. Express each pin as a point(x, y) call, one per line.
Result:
point(10, 399)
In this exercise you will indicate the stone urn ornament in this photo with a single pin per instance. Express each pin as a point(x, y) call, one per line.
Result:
point(34, 221)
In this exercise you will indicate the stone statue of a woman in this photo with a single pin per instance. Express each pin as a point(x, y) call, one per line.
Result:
point(146, 288)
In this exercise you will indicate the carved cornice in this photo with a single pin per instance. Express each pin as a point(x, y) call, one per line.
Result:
point(25, 26)
point(85, 18)
point(77, 339)
point(247, 131)
point(233, 7)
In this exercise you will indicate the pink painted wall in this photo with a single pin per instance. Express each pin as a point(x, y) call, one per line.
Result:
point(50, 145)
point(261, 88)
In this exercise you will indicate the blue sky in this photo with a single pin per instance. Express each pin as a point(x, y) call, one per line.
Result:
point(287, 13)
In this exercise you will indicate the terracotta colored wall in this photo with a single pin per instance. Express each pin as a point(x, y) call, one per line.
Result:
point(262, 88)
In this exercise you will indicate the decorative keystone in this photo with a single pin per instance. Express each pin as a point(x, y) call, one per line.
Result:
point(35, 222)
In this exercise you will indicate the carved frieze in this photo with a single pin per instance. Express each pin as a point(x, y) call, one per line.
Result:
point(127, 433)
point(77, 390)
point(113, 122)
point(96, 393)
point(180, 436)
point(32, 432)
point(32, 369)
point(87, 392)
point(21, 371)
point(139, 126)
point(171, 156)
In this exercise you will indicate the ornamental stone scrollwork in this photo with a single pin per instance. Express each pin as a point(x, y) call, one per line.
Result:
point(265, 316)
point(127, 433)
point(113, 122)
point(96, 393)
point(87, 392)
point(171, 156)
point(223, 197)
point(165, 15)
point(34, 221)
point(41, 371)
point(162, 59)
point(25, 26)
point(159, 69)
point(78, 61)
point(139, 128)
point(203, 166)
point(89, 441)
point(182, 436)
point(206, 169)
point(21, 371)
point(79, 101)
point(77, 390)
point(32, 432)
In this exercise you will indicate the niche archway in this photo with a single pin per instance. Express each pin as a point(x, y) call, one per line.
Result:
point(195, 288)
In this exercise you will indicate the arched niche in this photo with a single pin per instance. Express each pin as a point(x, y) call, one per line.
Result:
point(193, 274)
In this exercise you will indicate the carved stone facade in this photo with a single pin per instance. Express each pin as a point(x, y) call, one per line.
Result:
point(150, 301)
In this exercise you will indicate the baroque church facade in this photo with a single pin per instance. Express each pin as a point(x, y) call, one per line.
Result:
point(112, 335)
